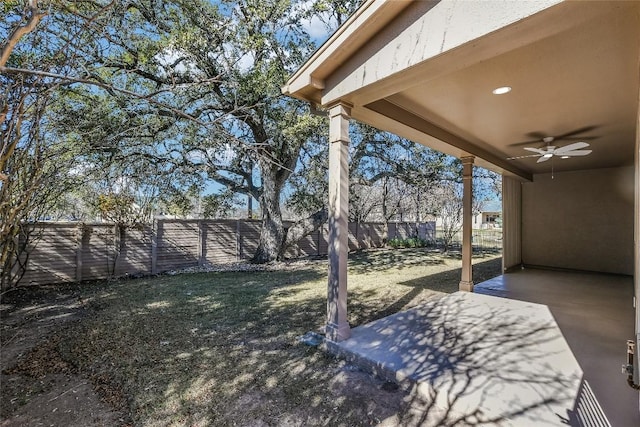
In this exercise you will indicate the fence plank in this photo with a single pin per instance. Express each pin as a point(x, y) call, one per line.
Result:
point(249, 238)
point(53, 259)
point(178, 247)
point(222, 241)
point(352, 239)
point(135, 256)
point(99, 254)
point(72, 252)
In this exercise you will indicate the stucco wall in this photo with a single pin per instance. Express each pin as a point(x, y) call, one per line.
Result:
point(511, 224)
point(580, 220)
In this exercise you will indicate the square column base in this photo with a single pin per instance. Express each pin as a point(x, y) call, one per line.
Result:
point(337, 333)
point(466, 286)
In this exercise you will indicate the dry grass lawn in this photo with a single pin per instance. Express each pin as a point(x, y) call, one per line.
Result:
point(207, 349)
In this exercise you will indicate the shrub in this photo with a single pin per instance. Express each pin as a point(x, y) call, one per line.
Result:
point(395, 243)
point(411, 242)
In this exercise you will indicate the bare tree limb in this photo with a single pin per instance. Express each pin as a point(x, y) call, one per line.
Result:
point(304, 227)
point(34, 18)
point(146, 97)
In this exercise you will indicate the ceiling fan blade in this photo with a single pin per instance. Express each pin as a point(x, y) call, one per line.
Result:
point(536, 135)
point(567, 136)
point(576, 131)
point(575, 153)
point(570, 147)
point(519, 144)
point(543, 159)
point(523, 157)
point(535, 150)
point(579, 138)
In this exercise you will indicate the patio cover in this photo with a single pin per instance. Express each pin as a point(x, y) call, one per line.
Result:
point(425, 70)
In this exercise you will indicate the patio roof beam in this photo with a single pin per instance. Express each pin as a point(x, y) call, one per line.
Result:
point(407, 118)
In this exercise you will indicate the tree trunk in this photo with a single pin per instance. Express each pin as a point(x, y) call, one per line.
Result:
point(274, 241)
point(272, 230)
point(303, 228)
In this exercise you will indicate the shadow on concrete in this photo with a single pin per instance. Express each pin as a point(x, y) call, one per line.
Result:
point(472, 359)
point(596, 316)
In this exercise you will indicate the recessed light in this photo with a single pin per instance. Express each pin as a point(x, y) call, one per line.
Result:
point(501, 90)
point(564, 157)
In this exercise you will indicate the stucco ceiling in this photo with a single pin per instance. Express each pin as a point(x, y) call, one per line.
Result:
point(585, 76)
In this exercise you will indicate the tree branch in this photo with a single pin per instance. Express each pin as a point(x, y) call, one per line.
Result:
point(21, 31)
point(232, 185)
point(146, 97)
point(304, 227)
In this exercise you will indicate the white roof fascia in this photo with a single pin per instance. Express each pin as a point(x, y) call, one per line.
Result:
point(310, 76)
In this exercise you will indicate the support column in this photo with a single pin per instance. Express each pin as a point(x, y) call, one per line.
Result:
point(466, 282)
point(337, 328)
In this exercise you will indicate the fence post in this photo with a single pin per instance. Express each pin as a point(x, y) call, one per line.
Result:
point(117, 246)
point(81, 229)
point(15, 260)
point(356, 235)
point(238, 241)
point(201, 243)
point(155, 229)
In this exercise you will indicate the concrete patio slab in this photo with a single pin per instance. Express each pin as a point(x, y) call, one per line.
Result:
point(476, 359)
point(596, 316)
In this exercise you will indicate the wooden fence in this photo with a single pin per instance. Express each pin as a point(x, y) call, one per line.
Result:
point(68, 252)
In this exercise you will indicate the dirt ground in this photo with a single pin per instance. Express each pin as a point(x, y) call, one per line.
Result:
point(38, 388)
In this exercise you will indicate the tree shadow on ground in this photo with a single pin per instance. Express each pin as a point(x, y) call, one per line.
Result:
point(222, 349)
point(217, 349)
point(427, 287)
point(370, 261)
point(382, 260)
point(469, 359)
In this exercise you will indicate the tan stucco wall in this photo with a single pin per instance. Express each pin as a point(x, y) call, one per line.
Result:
point(580, 220)
point(511, 222)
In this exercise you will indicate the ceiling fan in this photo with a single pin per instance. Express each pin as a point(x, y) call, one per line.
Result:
point(549, 150)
